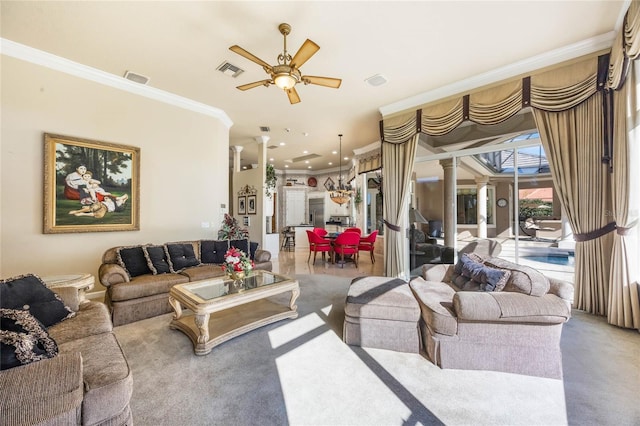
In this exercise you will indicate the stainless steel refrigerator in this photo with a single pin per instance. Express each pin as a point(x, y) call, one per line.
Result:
point(316, 212)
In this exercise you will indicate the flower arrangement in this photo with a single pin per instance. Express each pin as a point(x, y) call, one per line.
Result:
point(235, 260)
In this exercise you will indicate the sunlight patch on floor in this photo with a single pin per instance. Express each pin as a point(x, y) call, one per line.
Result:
point(294, 329)
point(325, 361)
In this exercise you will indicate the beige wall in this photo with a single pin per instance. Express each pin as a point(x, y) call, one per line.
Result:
point(183, 169)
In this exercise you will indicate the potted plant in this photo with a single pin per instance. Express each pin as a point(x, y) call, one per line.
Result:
point(270, 181)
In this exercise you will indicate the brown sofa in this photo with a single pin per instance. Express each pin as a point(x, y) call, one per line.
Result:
point(138, 278)
point(509, 319)
point(89, 382)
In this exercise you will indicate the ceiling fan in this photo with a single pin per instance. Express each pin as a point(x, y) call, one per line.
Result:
point(286, 74)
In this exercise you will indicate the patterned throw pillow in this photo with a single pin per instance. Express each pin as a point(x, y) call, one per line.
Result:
point(156, 259)
point(181, 255)
point(23, 339)
point(29, 293)
point(240, 245)
point(132, 259)
point(212, 251)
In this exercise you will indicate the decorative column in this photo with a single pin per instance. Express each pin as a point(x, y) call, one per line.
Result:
point(449, 222)
point(481, 207)
point(261, 198)
point(237, 149)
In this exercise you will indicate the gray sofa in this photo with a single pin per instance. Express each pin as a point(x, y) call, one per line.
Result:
point(138, 278)
point(515, 327)
point(89, 382)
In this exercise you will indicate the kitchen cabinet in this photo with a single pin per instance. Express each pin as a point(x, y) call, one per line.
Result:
point(295, 204)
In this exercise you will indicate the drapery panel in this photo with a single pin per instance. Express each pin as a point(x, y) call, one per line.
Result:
point(370, 162)
point(572, 142)
point(624, 77)
point(624, 301)
point(397, 160)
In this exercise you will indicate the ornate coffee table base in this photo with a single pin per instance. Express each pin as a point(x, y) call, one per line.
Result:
point(208, 330)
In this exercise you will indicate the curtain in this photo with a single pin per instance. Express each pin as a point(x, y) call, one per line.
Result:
point(624, 75)
point(572, 142)
point(397, 160)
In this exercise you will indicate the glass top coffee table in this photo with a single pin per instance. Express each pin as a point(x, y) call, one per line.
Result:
point(215, 310)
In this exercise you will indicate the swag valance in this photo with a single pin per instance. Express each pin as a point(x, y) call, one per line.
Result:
point(555, 90)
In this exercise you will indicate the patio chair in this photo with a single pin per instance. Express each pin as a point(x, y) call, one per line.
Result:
point(318, 244)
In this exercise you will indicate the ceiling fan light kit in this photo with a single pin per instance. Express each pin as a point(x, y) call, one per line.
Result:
point(286, 74)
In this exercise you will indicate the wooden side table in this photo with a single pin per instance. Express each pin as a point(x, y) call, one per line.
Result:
point(82, 282)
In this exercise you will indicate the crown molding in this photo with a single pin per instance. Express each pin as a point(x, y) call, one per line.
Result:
point(557, 56)
point(48, 60)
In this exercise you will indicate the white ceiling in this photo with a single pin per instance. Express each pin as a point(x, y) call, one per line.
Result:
point(418, 46)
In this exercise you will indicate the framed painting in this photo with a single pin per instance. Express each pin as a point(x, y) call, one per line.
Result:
point(90, 186)
point(242, 205)
point(251, 204)
point(329, 184)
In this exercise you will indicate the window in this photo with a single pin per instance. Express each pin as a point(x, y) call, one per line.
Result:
point(467, 205)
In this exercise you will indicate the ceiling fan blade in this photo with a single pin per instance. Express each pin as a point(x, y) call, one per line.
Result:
point(322, 81)
point(307, 50)
point(293, 95)
point(240, 51)
point(254, 84)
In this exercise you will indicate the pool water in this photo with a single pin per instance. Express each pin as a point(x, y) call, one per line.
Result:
point(556, 260)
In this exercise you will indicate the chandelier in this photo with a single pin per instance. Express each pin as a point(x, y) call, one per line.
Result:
point(342, 193)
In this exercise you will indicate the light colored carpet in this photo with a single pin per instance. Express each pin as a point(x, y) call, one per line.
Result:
point(299, 372)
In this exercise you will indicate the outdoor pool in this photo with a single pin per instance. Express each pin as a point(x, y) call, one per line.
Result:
point(555, 260)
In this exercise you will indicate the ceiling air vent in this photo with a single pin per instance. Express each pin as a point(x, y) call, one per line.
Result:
point(273, 147)
point(229, 69)
point(376, 80)
point(305, 157)
point(265, 129)
point(136, 77)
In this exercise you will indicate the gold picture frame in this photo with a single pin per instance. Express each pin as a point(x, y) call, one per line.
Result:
point(90, 186)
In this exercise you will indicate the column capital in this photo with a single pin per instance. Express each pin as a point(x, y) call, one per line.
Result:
point(262, 139)
point(237, 148)
point(449, 162)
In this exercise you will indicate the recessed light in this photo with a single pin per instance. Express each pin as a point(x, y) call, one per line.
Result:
point(309, 167)
point(306, 162)
point(286, 166)
point(305, 134)
point(282, 144)
point(244, 167)
point(330, 163)
point(346, 158)
point(334, 152)
point(270, 159)
point(305, 152)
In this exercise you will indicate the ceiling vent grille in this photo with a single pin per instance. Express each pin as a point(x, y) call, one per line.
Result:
point(376, 80)
point(229, 69)
point(305, 157)
point(265, 129)
point(273, 147)
point(136, 77)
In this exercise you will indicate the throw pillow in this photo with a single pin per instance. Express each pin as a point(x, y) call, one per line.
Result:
point(240, 245)
point(28, 292)
point(133, 261)
point(212, 251)
point(252, 248)
point(181, 255)
point(491, 279)
point(23, 339)
point(156, 259)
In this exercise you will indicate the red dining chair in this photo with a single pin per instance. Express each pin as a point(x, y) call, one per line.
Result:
point(346, 244)
point(318, 244)
point(367, 244)
point(354, 229)
point(320, 231)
